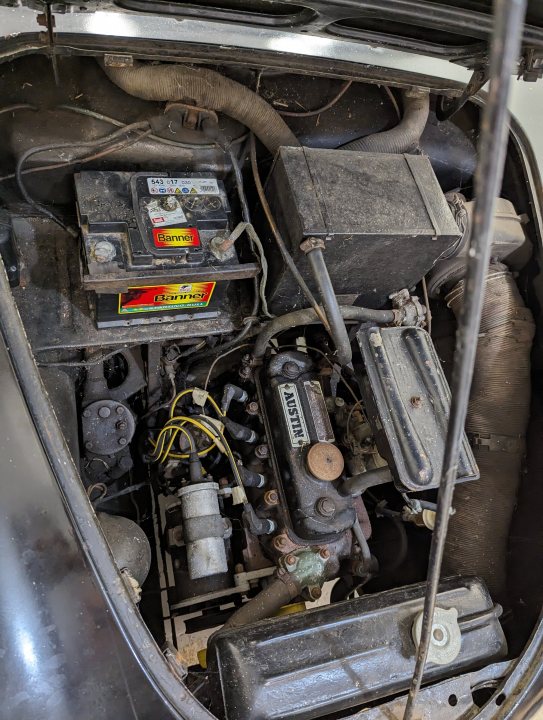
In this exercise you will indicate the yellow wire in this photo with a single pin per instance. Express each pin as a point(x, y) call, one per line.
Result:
point(164, 453)
point(182, 394)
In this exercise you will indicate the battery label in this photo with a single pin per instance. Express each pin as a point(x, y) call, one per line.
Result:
point(152, 298)
point(182, 186)
point(176, 237)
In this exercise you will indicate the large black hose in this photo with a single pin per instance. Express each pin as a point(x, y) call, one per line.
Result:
point(308, 316)
point(407, 133)
point(281, 591)
point(496, 423)
point(205, 88)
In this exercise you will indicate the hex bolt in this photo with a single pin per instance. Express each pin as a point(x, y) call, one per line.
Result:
point(238, 569)
point(324, 553)
point(122, 441)
point(121, 425)
point(325, 507)
point(252, 408)
point(120, 410)
point(291, 560)
point(104, 411)
point(86, 413)
point(416, 401)
point(314, 592)
point(271, 498)
point(280, 542)
point(262, 451)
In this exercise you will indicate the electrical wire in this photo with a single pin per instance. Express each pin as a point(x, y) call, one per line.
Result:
point(144, 126)
point(318, 111)
point(85, 363)
point(17, 106)
point(427, 305)
point(220, 357)
point(287, 257)
point(186, 392)
point(492, 148)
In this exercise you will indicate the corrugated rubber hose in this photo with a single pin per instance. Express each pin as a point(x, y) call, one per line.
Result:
point(208, 89)
point(497, 419)
point(407, 133)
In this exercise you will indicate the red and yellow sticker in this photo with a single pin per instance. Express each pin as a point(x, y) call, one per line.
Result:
point(166, 297)
point(176, 237)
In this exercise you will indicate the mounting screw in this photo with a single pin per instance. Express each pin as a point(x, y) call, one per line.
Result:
point(120, 410)
point(314, 592)
point(104, 411)
point(239, 568)
point(88, 445)
point(279, 542)
point(86, 413)
point(122, 441)
point(291, 560)
point(324, 553)
point(416, 401)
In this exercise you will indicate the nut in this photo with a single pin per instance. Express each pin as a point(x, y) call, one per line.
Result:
point(280, 542)
point(271, 498)
point(262, 451)
point(291, 560)
point(325, 507)
point(252, 408)
point(324, 553)
point(290, 370)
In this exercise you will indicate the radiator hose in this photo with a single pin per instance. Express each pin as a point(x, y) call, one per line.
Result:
point(407, 133)
point(208, 89)
point(496, 425)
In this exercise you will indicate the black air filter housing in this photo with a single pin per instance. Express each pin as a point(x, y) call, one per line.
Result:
point(383, 217)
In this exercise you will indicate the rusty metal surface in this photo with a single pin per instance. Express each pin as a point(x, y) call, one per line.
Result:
point(55, 309)
point(325, 461)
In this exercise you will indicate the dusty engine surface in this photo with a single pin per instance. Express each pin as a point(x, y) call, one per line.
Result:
point(246, 375)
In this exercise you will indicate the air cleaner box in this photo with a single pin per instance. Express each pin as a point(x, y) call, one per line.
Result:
point(146, 251)
point(384, 220)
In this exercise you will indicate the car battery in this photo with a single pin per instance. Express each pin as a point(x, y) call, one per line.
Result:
point(147, 253)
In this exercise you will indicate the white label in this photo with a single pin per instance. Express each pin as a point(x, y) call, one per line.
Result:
point(160, 217)
point(182, 186)
point(294, 416)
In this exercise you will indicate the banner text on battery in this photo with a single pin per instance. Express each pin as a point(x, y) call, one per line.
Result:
point(176, 237)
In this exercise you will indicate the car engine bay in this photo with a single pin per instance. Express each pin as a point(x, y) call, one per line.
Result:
point(241, 288)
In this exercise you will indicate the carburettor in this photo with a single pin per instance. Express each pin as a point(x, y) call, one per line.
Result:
point(305, 459)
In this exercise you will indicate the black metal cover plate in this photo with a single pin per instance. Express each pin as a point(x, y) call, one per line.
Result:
point(331, 658)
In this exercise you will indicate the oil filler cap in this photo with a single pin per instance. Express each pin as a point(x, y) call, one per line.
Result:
point(445, 637)
point(325, 461)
